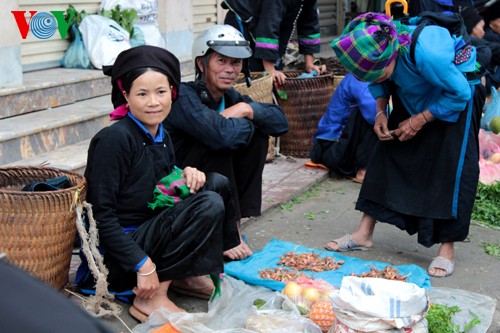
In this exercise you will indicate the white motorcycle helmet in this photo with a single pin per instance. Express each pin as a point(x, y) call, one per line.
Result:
point(223, 39)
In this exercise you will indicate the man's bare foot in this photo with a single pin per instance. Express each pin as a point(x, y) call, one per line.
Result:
point(239, 252)
point(360, 176)
point(147, 306)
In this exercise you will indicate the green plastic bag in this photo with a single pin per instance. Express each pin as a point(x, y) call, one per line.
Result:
point(76, 55)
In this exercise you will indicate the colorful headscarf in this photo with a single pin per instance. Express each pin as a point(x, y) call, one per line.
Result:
point(369, 43)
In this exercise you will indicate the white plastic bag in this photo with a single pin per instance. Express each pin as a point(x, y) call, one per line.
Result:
point(373, 304)
point(147, 14)
point(147, 10)
point(104, 39)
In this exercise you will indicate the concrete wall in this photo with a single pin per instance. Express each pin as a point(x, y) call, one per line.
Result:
point(10, 46)
point(175, 20)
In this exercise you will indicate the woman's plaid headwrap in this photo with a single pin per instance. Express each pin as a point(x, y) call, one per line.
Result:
point(369, 43)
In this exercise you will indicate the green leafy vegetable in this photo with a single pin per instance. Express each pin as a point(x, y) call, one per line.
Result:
point(125, 18)
point(491, 249)
point(487, 204)
point(74, 17)
point(439, 319)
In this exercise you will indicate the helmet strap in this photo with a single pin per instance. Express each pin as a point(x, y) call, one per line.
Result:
point(200, 82)
point(246, 72)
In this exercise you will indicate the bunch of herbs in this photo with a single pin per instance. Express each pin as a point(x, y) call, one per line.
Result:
point(126, 18)
point(487, 204)
point(439, 319)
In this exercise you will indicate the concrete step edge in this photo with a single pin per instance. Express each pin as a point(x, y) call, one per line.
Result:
point(71, 157)
point(53, 77)
point(45, 120)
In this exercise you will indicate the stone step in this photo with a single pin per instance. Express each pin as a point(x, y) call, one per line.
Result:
point(52, 88)
point(71, 157)
point(30, 135)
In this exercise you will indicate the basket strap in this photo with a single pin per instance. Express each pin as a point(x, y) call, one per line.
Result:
point(100, 303)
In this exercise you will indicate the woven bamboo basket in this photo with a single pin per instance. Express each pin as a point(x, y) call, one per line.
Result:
point(261, 91)
point(307, 100)
point(38, 229)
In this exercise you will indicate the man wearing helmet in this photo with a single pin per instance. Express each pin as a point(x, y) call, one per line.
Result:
point(270, 26)
point(215, 129)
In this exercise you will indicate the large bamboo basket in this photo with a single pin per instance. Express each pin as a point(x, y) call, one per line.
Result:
point(38, 229)
point(261, 91)
point(307, 100)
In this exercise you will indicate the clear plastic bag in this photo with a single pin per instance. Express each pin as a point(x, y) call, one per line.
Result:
point(76, 56)
point(492, 110)
point(234, 312)
point(481, 305)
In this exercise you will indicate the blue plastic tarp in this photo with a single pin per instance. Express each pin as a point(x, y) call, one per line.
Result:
point(248, 270)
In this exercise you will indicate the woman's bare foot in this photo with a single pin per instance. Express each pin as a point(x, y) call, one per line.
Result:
point(239, 252)
point(361, 243)
point(147, 306)
point(361, 174)
point(198, 286)
point(363, 236)
point(446, 251)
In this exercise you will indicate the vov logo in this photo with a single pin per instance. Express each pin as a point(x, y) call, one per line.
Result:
point(43, 25)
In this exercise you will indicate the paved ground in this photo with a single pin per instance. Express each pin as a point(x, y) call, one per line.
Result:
point(327, 211)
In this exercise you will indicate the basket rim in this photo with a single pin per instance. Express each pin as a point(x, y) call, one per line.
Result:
point(81, 181)
point(320, 76)
point(262, 77)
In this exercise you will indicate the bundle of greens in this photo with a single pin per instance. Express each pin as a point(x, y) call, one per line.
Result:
point(487, 204)
point(74, 18)
point(125, 18)
point(439, 319)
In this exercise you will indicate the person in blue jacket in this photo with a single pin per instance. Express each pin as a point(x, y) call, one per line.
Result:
point(216, 129)
point(345, 138)
point(423, 174)
point(270, 25)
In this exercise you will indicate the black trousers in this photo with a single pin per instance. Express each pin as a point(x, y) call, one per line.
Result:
point(243, 167)
point(351, 151)
point(183, 241)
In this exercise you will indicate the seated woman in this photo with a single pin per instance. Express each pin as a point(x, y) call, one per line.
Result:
point(146, 244)
point(345, 138)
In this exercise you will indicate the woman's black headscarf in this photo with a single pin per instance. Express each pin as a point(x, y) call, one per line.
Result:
point(141, 57)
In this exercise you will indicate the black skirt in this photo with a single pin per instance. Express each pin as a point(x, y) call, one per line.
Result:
point(427, 185)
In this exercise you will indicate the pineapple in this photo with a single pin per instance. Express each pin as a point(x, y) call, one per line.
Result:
point(321, 312)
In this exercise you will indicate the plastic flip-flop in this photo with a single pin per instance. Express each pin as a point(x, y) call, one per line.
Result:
point(442, 263)
point(346, 243)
